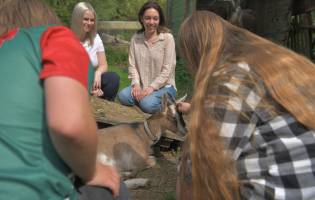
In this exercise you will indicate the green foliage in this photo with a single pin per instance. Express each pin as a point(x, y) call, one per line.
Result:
point(184, 81)
point(123, 74)
point(63, 8)
point(117, 56)
point(105, 9)
point(117, 59)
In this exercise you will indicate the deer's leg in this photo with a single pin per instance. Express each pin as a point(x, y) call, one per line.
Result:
point(137, 183)
point(151, 161)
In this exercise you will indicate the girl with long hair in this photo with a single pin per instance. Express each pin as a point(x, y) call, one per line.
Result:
point(251, 129)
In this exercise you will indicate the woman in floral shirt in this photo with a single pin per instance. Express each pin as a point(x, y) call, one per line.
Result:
point(252, 117)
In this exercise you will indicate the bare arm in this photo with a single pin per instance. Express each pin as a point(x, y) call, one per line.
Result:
point(102, 62)
point(73, 131)
point(102, 67)
point(72, 127)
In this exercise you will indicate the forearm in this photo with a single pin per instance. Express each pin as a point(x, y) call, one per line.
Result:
point(71, 124)
point(133, 75)
point(77, 154)
point(102, 62)
point(101, 69)
point(77, 147)
point(162, 79)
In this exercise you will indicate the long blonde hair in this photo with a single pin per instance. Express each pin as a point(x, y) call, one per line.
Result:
point(208, 42)
point(25, 13)
point(77, 18)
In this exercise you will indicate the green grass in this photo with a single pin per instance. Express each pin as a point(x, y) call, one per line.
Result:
point(117, 55)
point(184, 81)
point(169, 196)
point(123, 74)
point(117, 58)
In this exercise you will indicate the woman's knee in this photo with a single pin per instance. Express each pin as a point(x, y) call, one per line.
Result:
point(110, 78)
point(150, 105)
point(124, 96)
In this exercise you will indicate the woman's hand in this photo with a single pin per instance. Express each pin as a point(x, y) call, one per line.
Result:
point(97, 92)
point(147, 91)
point(97, 80)
point(183, 107)
point(136, 92)
point(106, 176)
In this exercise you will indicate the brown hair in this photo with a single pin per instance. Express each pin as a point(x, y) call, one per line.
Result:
point(25, 13)
point(208, 42)
point(152, 4)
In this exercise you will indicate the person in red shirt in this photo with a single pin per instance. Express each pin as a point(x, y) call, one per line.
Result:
point(47, 130)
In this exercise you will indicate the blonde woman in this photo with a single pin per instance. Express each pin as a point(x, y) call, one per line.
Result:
point(252, 117)
point(84, 25)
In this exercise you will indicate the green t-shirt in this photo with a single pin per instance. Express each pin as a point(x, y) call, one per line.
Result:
point(30, 168)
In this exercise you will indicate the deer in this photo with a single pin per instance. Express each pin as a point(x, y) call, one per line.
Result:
point(128, 146)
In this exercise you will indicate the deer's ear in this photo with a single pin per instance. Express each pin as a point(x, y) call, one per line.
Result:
point(183, 98)
point(164, 104)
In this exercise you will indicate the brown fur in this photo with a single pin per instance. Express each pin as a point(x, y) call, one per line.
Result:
point(130, 146)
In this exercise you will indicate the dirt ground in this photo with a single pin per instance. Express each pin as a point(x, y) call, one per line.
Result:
point(162, 180)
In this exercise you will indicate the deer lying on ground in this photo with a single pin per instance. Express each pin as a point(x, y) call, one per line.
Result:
point(128, 146)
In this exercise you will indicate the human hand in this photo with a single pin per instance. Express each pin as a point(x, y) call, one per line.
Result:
point(136, 92)
point(106, 176)
point(147, 91)
point(183, 107)
point(97, 92)
point(97, 80)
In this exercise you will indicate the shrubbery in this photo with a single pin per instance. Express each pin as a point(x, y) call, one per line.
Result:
point(105, 9)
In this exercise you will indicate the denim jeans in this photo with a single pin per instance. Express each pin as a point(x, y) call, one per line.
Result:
point(109, 85)
point(149, 104)
point(86, 192)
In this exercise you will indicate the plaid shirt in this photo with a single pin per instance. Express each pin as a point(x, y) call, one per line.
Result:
point(274, 155)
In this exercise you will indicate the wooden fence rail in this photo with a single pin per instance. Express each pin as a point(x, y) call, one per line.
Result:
point(118, 25)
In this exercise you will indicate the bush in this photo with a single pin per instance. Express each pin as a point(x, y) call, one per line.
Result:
point(184, 81)
point(105, 9)
point(117, 58)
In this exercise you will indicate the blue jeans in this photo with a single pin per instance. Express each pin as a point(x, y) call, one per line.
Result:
point(149, 104)
point(86, 192)
point(109, 85)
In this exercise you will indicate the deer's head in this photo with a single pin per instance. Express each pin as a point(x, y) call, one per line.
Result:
point(169, 118)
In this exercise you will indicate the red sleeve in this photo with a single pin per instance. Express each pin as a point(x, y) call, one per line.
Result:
point(63, 55)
